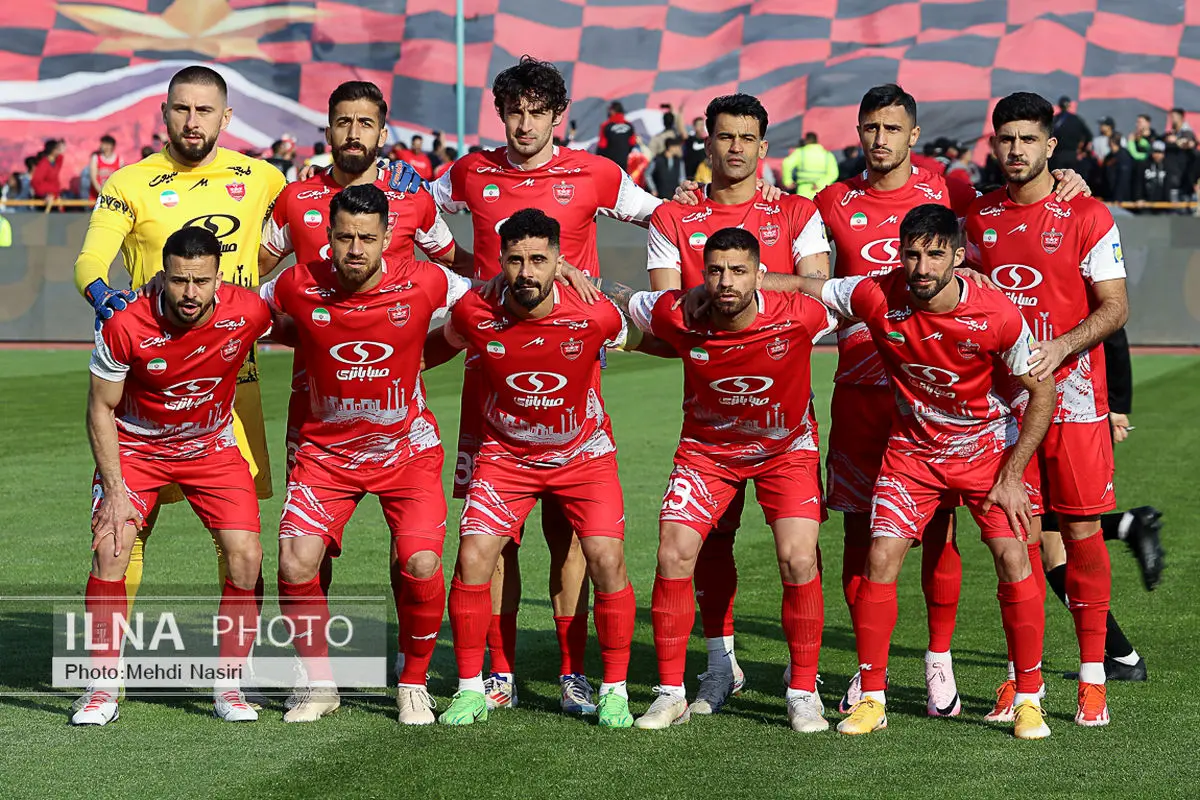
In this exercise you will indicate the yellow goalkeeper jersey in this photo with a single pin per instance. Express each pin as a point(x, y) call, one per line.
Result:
point(142, 204)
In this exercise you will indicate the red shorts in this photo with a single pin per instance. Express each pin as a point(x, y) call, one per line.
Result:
point(502, 493)
point(700, 490)
point(860, 424)
point(1072, 472)
point(321, 499)
point(910, 490)
point(470, 428)
point(219, 487)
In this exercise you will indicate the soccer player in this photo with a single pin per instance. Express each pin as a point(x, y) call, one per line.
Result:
point(947, 347)
point(1061, 263)
point(361, 324)
point(545, 436)
point(573, 186)
point(160, 412)
point(747, 416)
point(791, 238)
point(191, 183)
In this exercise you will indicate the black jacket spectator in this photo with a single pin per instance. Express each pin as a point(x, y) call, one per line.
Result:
point(667, 170)
point(1151, 183)
point(693, 148)
point(1070, 131)
point(616, 137)
point(1116, 173)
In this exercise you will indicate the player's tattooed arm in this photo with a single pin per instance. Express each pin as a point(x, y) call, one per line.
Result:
point(441, 345)
point(809, 284)
point(1109, 314)
point(636, 339)
point(1008, 491)
point(814, 265)
point(115, 511)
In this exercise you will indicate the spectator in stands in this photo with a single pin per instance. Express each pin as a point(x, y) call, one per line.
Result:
point(1180, 162)
point(853, 162)
point(1151, 185)
point(449, 156)
point(617, 137)
point(962, 168)
point(809, 168)
point(1116, 173)
point(672, 129)
point(157, 142)
point(945, 152)
point(1138, 143)
point(667, 170)
point(927, 159)
point(104, 162)
point(321, 158)
point(1100, 142)
point(1070, 130)
point(47, 175)
point(693, 148)
point(438, 155)
point(148, 151)
point(281, 160)
point(417, 157)
point(1177, 123)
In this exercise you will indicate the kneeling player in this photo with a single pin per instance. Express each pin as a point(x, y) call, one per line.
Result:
point(545, 436)
point(160, 411)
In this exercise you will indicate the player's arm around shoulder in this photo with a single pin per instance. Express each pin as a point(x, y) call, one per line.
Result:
point(810, 247)
point(639, 310)
point(113, 218)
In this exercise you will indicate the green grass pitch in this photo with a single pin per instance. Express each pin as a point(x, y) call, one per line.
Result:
point(174, 748)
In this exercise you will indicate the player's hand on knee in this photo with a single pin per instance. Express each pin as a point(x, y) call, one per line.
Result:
point(106, 300)
point(111, 520)
point(687, 193)
point(1011, 497)
point(770, 193)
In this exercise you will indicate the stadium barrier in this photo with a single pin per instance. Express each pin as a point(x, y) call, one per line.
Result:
point(39, 303)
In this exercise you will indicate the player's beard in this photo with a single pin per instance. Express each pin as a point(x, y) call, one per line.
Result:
point(926, 292)
point(531, 148)
point(529, 294)
point(353, 274)
point(355, 163)
point(1035, 168)
point(190, 316)
point(192, 152)
point(890, 161)
point(730, 303)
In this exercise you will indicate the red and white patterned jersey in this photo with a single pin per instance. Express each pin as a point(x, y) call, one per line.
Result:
point(864, 224)
point(1046, 256)
point(541, 377)
point(788, 230)
point(179, 382)
point(574, 186)
point(747, 393)
point(298, 221)
point(950, 371)
point(363, 356)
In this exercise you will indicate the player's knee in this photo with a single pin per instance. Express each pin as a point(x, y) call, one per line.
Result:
point(882, 562)
point(298, 560)
point(1012, 562)
point(798, 566)
point(423, 564)
point(676, 557)
point(475, 564)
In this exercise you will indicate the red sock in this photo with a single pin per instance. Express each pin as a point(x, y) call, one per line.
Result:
point(307, 608)
point(803, 620)
point(102, 601)
point(673, 612)
point(875, 612)
point(1035, 564)
point(1089, 588)
point(502, 641)
point(941, 581)
point(615, 615)
point(716, 584)
point(396, 579)
point(470, 614)
point(239, 624)
point(260, 591)
point(1022, 611)
point(422, 606)
point(854, 564)
point(572, 643)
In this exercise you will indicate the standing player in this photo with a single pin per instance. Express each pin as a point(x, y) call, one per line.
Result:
point(574, 187)
point(546, 436)
point(943, 344)
point(1062, 264)
point(361, 326)
point(160, 411)
point(191, 183)
point(791, 239)
point(747, 416)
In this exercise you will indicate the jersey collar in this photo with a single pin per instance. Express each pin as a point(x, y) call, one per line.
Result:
point(519, 168)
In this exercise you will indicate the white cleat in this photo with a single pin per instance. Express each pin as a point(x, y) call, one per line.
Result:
point(853, 695)
point(806, 713)
point(666, 710)
point(231, 706)
point(415, 705)
point(313, 703)
point(500, 692)
point(299, 686)
point(942, 698)
point(576, 695)
point(98, 706)
point(715, 690)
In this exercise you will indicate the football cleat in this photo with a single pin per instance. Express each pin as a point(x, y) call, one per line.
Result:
point(1145, 544)
point(1029, 721)
point(941, 691)
point(312, 703)
point(1093, 705)
point(853, 695)
point(666, 710)
point(500, 692)
point(715, 690)
point(231, 706)
point(806, 713)
point(414, 705)
point(466, 708)
point(576, 694)
point(867, 716)
point(1119, 671)
point(98, 706)
point(613, 711)
point(1006, 695)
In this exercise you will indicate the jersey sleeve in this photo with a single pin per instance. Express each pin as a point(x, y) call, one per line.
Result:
point(1103, 260)
point(271, 292)
point(661, 252)
point(619, 197)
point(433, 235)
point(838, 294)
point(456, 288)
point(1016, 341)
point(447, 190)
point(815, 317)
point(641, 309)
point(811, 239)
point(277, 234)
point(261, 314)
point(112, 220)
point(616, 328)
point(110, 357)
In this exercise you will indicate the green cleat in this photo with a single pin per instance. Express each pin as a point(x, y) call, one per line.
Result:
point(466, 708)
point(613, 711)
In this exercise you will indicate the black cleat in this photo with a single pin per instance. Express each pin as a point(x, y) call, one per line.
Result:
point(1144, 543)
point(1116, 671)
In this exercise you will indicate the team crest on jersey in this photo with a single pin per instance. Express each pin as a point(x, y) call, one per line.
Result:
point(858, 221)
point(236, 189)
point(312, 218)
point(968, 349)
point(398, 314)
point(768, 234)
point(392, 217)
point(563, 192)
point(571, 349)
point(1051, 240)
point(777, 348)
point(231, 349)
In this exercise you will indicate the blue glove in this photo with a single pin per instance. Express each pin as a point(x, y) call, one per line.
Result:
point(403, 178)
point(106, 299)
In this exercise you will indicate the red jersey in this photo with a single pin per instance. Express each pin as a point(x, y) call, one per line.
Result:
point(788, 230)
point(300, 216)
point(179, 382)
point(864, 224)
point(420, 162)
point(574, 186)
point(747, 392)
point(363, 356)
point(1045, 256)
point(541, 377)
point(949, 371)
point(103, 167)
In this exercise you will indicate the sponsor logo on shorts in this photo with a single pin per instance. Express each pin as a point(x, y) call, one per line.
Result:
point(312, 218)
point(495, 348)
point(491, 193)
point(534, 388)
point(858, 221)
point(360, 355)
point(321, 317)
point(697, 240)
point(169, 198)
point(156, 366)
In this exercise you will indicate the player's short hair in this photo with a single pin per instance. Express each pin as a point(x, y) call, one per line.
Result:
point(931, 223)
point(366, 198)
point(736, 105)
point(106, 139)
point(1024, 107)
point(192, 242)
point(529, 223)
point(886, 96)
point(538, 82)
point(201, 76)
point(728, 239)
point(358, 90)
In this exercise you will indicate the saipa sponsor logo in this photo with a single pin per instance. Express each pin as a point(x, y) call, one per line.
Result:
point(220, 225)
point(1016, 279)
point(535, 388)
point(190, 394)
point(743, 390)
point(360, 356)
point(154, 341)
point(882, 251)
point(932, 380)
